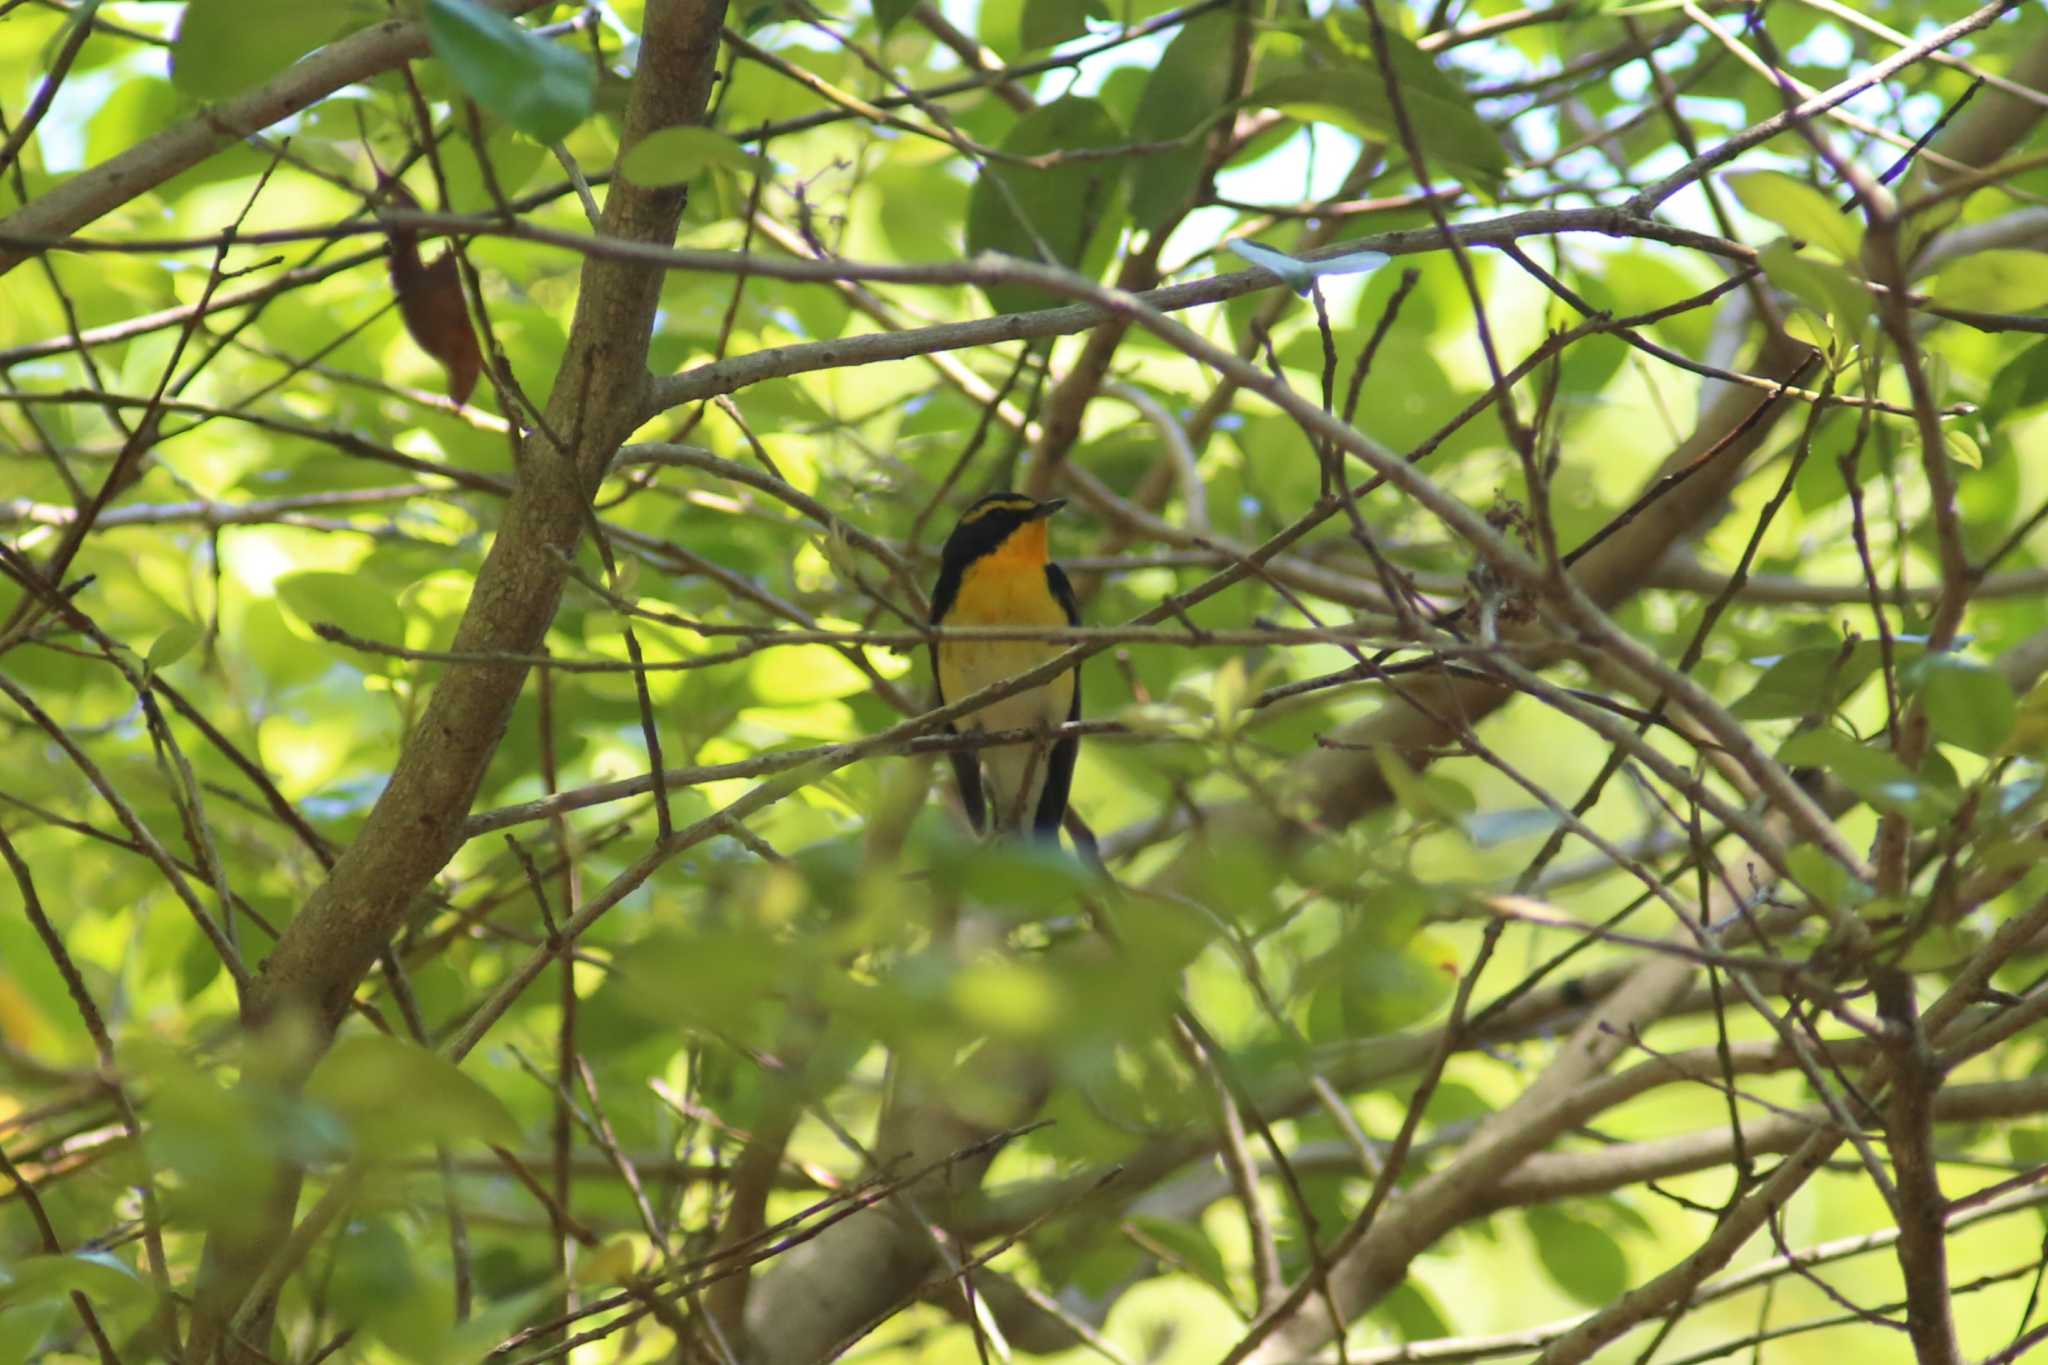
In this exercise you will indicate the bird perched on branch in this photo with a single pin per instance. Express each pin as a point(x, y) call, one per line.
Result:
point(994, 571)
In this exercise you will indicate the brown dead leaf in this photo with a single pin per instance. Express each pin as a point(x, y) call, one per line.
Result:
point(430, 301)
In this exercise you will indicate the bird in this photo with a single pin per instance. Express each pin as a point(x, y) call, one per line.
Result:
point(995, 571)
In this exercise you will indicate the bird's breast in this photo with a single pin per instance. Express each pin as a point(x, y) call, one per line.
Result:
point(998, 595)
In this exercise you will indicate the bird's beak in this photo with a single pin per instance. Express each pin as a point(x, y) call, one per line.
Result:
point(1046, 509)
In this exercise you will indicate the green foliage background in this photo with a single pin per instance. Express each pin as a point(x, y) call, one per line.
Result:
point(768, 993)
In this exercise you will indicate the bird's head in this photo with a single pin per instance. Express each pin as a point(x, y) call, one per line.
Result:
point(1009, 524)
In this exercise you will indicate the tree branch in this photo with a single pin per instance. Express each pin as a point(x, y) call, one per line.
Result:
point(417, 822)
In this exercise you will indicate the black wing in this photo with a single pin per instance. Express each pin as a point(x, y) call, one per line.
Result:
point(966, 764)
point(1059, 768)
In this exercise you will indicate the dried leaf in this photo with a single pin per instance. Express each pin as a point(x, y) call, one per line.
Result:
point(430, 301)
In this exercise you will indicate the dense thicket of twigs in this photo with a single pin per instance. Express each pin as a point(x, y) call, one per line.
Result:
point(1554, 867)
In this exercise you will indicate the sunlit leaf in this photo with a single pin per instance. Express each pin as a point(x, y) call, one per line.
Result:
point(542, 88)
point(612, 1263)
point(1828, 289)
point(1801, 210)
point(339, 599)
point(174, 644)
point(675, 156)
point(799, 674)
point(1996, 281)
point(513, 156)
point(1450, 133)
point(1009, 999)
point(224, 47)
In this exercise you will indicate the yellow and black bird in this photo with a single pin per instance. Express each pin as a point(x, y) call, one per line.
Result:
point(994, 571)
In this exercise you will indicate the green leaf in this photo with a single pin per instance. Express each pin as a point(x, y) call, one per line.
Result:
point(2029, 1146)
point(1874, 774)
point(1070, 210)
point(1345, 35)
point(1010, 999)
point(23, 1327)
point(541, 88)
point(1828, 290)
point(1027, 876)
point(1452, 137)
point(174, 644)
point(473, 1340)
point(671, 156)
point(1240, 874)
point(713, 979)
point(1385, 972)
point(1188, 1247)
point(1382, 988)
point(319, 598)
point(1825, 879)
point(377, 1282)
point(1962, 448)
point(1801, 210)
point(210, 1137)
point(2030, 728)
point(798, 675)
point(394, 1095)
point(889, 13)
point(1581, 1258)
point(1412, 1312)
point(1806, 682)
point(1187, 89)
point(99, 1275)
point(1997, 281)
point(224, 47)
point(1425, 796)
point(1968, 704)
point(513, 156)
point(2022, 383)
point(1048, 23)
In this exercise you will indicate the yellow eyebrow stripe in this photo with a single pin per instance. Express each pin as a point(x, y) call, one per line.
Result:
point(975, 514)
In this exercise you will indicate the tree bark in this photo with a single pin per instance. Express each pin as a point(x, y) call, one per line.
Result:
point(416, 825)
